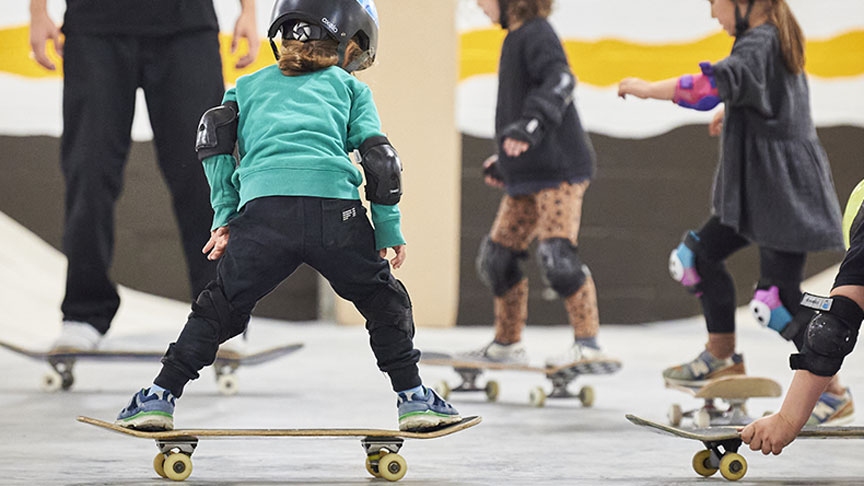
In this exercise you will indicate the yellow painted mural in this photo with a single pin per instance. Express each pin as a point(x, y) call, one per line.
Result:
point(605, 62)
point(598, 63)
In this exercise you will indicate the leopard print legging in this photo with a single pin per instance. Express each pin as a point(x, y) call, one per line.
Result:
point(551, 213)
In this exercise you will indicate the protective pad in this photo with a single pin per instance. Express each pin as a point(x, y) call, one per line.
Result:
point(768, 310)
point(699, 91)
point(499, 267)
point(830, 336)
point(559, 261)
point(383, 171)
point(682, 263)
point(217, 131)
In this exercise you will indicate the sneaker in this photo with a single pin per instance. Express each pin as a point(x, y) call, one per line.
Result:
point(148, 411)
point(833, 409)
point(498, 353)
point(77, 336)
point(576, 352)
point(424, 412)
point(704, 368)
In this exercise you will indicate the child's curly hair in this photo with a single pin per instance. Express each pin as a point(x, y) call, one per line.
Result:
point(524, 10)
point(297, 57)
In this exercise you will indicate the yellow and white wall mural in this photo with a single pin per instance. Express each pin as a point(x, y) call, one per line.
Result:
point(607, 40)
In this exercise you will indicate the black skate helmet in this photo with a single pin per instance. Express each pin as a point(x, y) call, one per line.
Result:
point(340, 20)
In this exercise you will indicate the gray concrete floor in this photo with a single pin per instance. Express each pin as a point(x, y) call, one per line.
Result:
point(333, 382)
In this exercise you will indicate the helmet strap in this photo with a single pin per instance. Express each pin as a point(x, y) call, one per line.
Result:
point(503, 20)
point(275, 49)
point(742, 23)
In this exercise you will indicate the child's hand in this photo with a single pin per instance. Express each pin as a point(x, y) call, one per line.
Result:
point(401, 254)
point(488, 177)
point(217, 243)
point(716, 126)
point(769, 434)
point(633, 86)
point(514, 148)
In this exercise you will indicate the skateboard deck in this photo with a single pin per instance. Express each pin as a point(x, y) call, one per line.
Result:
point(382, 446)
point(722, 443)
point(735, 390)
point(60, 377)
point(561, 377)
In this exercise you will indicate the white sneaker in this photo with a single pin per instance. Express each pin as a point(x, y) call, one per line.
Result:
point(77, 336)
point(498, 353)
point(576, 352)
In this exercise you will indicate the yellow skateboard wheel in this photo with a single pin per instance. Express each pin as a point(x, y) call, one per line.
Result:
point(733, 466)
point(443, 389)
point(537, 396)
point(492, 389)
point(159, 465)
point(392, 467)
point(586, 396)
point(372, 468)
point(702, 463)
point(178, 466)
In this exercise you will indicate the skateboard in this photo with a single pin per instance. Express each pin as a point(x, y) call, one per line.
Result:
point(561, 377)
point(734, 390)
point(722, 443)
point(382, 446)
point(60, 376)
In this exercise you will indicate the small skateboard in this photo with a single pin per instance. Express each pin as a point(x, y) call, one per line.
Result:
point(60, 377)
point(722, 443)
point(561, 377)
point(382, 446)
point(734, 390)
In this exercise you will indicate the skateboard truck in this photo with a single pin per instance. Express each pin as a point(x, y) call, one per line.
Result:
point(731, 465)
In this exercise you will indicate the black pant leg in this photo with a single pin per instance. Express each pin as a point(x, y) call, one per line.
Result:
point(344, 252)
point(182, 78)
point(264, 248)
point(98, 106)
point(718, 242)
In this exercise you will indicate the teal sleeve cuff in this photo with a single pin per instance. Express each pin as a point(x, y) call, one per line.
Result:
point(222, 215)
point(224, 197)
point(387, 222)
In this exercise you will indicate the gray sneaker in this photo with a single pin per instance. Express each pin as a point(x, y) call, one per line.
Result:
point(424, 412)
point(704, 368)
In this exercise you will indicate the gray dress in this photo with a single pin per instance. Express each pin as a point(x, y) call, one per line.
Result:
point(773, 184)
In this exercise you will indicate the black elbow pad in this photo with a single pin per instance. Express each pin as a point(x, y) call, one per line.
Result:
point(217, 131)
point(830, 336)
point(383, 171)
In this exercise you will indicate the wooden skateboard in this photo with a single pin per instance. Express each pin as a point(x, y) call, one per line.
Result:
point(382, 446)
point(734, 390)
point(561, 377)
point(60, 377)
point(722, 443)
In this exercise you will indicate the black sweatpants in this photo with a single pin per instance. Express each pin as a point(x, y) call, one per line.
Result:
point(270, 238)
point(181, 76)
point(718, 242)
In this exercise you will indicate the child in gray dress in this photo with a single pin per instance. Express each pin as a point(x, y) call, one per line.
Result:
point(773, 187)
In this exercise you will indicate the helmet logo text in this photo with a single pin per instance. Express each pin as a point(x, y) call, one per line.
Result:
point(330, 25)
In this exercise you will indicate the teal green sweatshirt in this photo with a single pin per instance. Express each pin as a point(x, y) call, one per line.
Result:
point(294, 135)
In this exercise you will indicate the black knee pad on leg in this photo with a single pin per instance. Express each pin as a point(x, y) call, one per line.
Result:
point(213, 306)
point(499, 267)
point(560, 264)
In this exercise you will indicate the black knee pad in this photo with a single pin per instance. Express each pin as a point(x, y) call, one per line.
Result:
point(499, 267)
point(389, 306)
point(560, 265)
point(213, 306)
point(830, 336)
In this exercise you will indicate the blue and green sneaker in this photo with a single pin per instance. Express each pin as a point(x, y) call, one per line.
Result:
point(421, 408)
point(149, 409)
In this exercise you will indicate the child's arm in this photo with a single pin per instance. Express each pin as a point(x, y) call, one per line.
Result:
point(695, 91)
point(382, 168)
point(215, 143)
point(771, 434)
